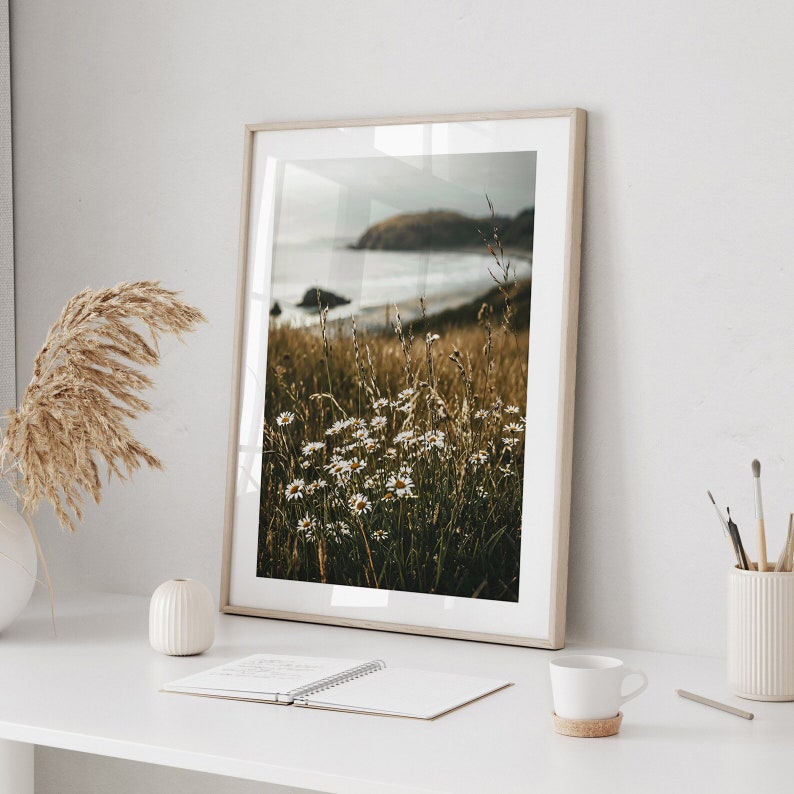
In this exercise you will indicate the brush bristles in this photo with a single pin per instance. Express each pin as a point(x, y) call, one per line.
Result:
point(756, 468)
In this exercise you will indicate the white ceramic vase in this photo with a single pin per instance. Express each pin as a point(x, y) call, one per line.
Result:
point(181, 618)
point(18, 564)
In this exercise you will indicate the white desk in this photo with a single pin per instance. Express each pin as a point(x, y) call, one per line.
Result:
point(94, 689)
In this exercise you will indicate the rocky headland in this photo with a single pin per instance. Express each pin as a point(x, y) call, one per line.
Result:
point(447, 230)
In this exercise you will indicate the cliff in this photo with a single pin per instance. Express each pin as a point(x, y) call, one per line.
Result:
point(446, 230)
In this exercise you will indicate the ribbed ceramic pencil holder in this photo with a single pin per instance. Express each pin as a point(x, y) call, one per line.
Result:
point(761, 635)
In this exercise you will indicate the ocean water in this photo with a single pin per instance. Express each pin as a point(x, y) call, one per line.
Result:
point(374, 281)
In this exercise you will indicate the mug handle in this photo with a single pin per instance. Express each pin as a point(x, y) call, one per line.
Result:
point(627, 671)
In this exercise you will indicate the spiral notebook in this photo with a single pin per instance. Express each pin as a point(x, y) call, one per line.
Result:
point(368, 687)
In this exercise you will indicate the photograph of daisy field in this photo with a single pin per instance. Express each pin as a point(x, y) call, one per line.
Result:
point(396, 379)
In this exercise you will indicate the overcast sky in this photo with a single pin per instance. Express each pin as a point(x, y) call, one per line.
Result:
point(338, 199)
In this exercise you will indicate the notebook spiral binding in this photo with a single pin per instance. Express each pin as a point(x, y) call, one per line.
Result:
point(301, 693)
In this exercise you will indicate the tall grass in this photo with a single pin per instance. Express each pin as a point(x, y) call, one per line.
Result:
point(394, 460)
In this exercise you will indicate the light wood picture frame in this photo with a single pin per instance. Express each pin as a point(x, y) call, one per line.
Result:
point(400, 453)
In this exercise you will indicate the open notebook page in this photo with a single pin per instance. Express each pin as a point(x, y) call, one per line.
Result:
point(404, 692)
point(267, 677)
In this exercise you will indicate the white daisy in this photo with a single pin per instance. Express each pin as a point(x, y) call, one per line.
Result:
point(312, 446)
point(359, 503)
point(306, 523)
point(480, 414)
point(338, 529)
point(479, 457)
point(380, 535)
point(338, 466)
point(381, 402)
point(285, 418)
point(510, 442)
point(401, 485)
point(404, 437)
point(434, 438)
point(512, 409)
point(513, 427)
point(336, 427)
point(355, 464)
point(405, 394)
point(378, 421)
point(295, 490)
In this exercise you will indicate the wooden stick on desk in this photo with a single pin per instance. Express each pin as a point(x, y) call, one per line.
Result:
point(747, 715)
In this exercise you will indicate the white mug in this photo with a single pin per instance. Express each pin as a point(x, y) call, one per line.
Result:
point(591, 687)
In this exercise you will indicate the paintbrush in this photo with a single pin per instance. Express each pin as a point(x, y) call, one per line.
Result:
point(731, 536)
point(784, 560)
point(737, 542)
point(760, 536)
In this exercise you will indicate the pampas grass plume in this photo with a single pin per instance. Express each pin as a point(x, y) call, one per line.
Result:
point(85, 387)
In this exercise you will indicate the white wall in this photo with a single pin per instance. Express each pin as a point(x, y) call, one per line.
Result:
point(128, 120)
point(7, 324)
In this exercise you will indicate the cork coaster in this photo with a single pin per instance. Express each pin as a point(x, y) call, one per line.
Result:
point(587, 729)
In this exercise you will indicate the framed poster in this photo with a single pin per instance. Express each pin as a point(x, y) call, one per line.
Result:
point(400, 451)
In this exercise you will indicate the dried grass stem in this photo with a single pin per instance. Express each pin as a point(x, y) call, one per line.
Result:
point(84, 389)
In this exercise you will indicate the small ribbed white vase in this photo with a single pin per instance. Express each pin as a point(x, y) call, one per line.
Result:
point(181, 618)
point(761, 635)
